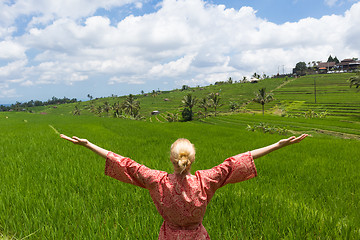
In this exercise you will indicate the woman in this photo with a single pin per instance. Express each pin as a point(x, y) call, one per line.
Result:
point(181, 198)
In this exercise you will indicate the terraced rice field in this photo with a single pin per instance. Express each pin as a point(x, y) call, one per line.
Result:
point(333, 95)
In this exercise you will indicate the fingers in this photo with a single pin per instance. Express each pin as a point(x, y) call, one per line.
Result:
point(66, 137)
point(73, 140)
point(299, 139)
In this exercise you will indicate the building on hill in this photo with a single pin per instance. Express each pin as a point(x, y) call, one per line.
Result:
point(346, 65)
point(254, 80)
point(349, 64)
point(324, 67)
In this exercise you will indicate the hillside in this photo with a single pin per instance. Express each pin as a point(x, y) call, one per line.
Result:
point(294, 97)
point(170, 101)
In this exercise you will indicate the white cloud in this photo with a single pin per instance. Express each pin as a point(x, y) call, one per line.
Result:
point(138, 5)
point(128, 80)
point(6, 92)
point(11, 50)
point(185, 40)
point(44, 11)
point(331, 3)
point(12, 69)
point(173, 68)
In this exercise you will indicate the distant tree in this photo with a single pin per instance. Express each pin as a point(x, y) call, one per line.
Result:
point(99, 110)
point(38, 103)
point(184, 87)
point(92, 108)
point(154, 93)
point(234, 106)
point(172, 117)
point(262, 97)
point(131, 106)
point(76, 111)
point(300, 68)
point(204, 104)
point(330, 59)
point(230, 81)
point(255, 75)
point(142, 92)
point(186, 114)
point(215, 101)
point(90, 97)
point(355, 80)
point(107, 107)
point(244, 79)
point(336, 60)
point(117, 110)
point(189, 102)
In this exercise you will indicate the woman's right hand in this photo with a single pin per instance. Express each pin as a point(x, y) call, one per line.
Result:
point(291, 140)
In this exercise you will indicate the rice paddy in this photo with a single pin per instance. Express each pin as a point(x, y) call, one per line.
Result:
point(51, 189)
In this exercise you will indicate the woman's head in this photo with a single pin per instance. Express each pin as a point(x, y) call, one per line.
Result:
point(182, 155)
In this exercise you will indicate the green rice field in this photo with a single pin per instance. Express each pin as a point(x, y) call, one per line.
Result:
point(52, 189)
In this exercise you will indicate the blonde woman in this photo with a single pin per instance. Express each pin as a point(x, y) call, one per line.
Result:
point(181, 198)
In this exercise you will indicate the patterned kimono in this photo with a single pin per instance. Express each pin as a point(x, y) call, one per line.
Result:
point(181, 200)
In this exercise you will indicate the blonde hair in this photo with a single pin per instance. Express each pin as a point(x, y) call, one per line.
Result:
point(182, 154)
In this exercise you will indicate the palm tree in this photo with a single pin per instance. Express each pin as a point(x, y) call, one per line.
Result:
point(263, 98)
point(189, 102)
point(92, 108)
point(204, 104)
point(76, 111)
point(355, 80)
point(99, 110)
point(107, 107)
point(116, 107)
point(131, 106)
point(215, 101)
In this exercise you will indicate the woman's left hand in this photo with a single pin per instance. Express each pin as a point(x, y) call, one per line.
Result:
point(75, 140)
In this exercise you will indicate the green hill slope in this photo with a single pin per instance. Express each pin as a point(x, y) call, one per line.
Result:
point(170, 101)
point(333, 95)
point(293, 96)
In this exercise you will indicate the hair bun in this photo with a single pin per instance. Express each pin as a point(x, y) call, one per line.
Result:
point(182, 153)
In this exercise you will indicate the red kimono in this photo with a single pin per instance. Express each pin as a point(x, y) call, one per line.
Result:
point(181, 200)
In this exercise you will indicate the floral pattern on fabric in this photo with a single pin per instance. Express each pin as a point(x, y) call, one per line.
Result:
point(181, 200)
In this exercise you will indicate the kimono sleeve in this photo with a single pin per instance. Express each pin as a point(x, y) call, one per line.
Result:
point(234, 169)
point(128, 171)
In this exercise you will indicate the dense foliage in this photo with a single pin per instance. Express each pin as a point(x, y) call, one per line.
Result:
point(37, 103)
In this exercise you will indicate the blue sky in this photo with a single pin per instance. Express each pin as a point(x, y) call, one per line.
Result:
point(77, 47)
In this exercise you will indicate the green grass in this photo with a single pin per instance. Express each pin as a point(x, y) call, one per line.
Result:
point(51, 189)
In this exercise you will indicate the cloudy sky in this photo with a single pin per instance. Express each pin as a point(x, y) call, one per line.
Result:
point(77, 47)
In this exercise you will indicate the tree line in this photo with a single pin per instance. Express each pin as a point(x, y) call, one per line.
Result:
point(18, 106)
point(213, 100)
point(129, 108)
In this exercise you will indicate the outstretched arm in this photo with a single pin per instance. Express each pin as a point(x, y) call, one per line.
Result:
point(85, 143)
point(280, 144)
